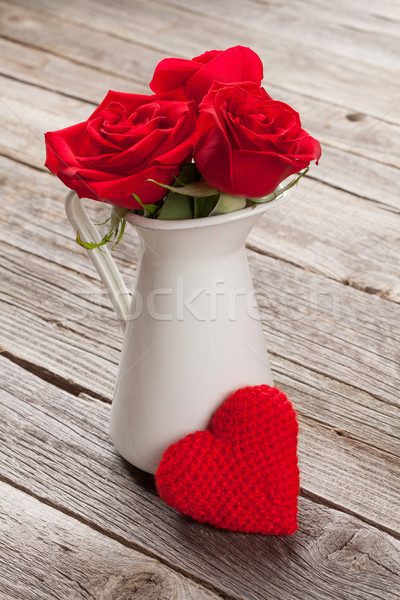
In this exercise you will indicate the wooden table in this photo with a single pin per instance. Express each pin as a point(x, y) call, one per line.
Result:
point(77, 521)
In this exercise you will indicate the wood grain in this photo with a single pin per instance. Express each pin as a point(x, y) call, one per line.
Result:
point(54, 72)
point(77, 314)
point(188, 29)
point(333, 229)
point(343, 409)
point(77, 43)
point(63, 308)
point(57, 448)
point(49, 555)
point(341, 236)
point(343, 30)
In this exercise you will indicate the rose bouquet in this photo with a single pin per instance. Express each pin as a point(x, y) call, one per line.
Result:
point(209, 140)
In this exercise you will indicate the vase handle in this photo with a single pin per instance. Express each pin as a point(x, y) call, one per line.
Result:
point(101, 257)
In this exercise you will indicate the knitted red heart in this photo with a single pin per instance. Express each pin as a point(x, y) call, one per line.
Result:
point(241, 473)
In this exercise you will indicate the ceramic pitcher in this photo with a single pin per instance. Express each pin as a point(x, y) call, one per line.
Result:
point(192, 330)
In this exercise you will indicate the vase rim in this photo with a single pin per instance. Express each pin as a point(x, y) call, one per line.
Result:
point(170, 225)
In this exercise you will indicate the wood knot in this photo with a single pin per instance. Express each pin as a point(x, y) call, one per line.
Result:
point(338, 432)
point(355, 117)
point(356, 549)
point(149, 583)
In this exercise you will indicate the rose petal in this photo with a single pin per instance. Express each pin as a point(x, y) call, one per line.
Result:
point(248, 143)
point(128, 139)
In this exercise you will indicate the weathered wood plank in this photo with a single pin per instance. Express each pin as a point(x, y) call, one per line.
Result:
point(331, 336)
point(361, 177)
point(48, 555)
point(365, 137)
point(182, 31)
point(351, 32)
point(343, 409)
point(352, 132)
point(33, 206)
point(57, 447)
point(343, 473)
point(77, 341)
point(337, 234)
point(55, 73)
point(76, 42)
point(25, 124)
point(346, 334)
point(382, 15)
point(27, 112)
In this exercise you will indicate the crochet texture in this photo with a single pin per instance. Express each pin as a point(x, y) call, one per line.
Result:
point(241, 473)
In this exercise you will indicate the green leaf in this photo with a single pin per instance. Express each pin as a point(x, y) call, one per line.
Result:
point(117, 214)
point(188, 174)
point(146, 210)
point(137, 198)
point(91, 245)
point(151, 210)
point(203, 207)
point(275, 195)
point(176, 207)
point(227, 204)
point(121, 233)
point(104, 222)
point(265, 199)
point(117, 228)
point(199, 189)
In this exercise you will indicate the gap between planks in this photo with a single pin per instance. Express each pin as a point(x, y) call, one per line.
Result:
point(81, 303)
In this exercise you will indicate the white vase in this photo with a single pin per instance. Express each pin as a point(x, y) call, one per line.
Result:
point(192, 330)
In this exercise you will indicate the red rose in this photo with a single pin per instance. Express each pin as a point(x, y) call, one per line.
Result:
point(128, 139)
point(179, 79)
point(248, 143)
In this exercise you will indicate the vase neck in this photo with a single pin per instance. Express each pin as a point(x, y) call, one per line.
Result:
point(207, 237)
point(194, 243)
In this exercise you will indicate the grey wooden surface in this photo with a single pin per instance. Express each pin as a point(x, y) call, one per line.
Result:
point(78, 522)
